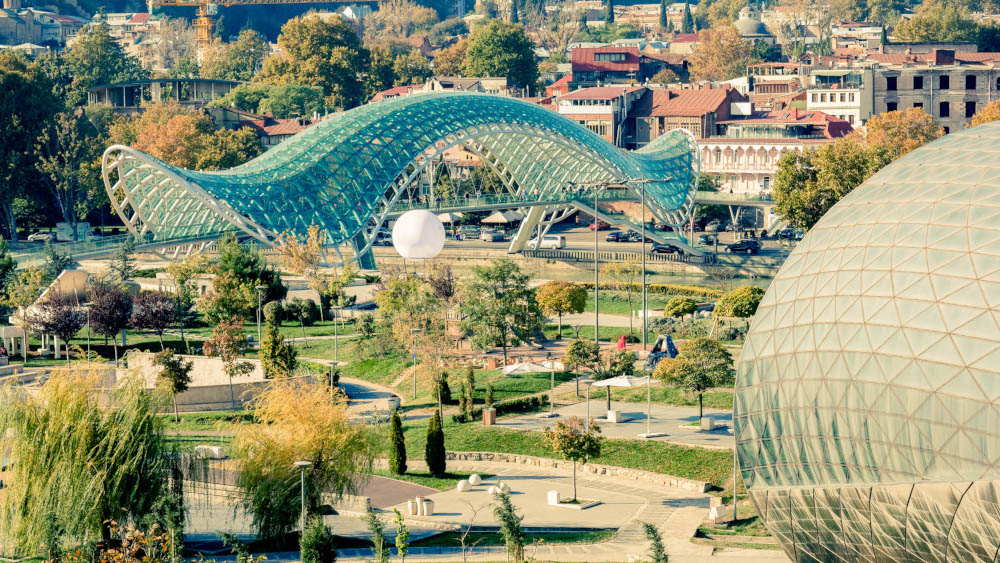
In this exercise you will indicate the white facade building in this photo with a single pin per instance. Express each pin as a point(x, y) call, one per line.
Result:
point(844, 93)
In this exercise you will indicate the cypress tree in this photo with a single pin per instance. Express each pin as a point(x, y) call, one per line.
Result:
point(434, 453)
point(513, 12)
point(489, 394)
point(463, 399)
point(663, 14)
point(609, 17)
point(397, 446)
point(470, 384)
point(687, 24)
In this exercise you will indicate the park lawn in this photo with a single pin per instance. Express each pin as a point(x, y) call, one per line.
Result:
point(714, 466)
point(608, 333)
point(482, 539)
point(505, 387)
point(289, 329)
point(616, 302)
point(445, 482)
point(227, 421)
point(185, 443)
point(669, 395)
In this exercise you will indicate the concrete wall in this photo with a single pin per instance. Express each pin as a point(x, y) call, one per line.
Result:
point(209, 389)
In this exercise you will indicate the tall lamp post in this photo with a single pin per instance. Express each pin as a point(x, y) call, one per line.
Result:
point(260, 296)
point(336, 336)
point(645, 312)
point(302, 465)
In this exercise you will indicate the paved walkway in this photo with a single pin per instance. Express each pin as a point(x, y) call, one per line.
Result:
point(666, 419)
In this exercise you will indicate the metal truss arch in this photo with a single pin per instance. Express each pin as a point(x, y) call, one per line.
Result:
point(346, 173)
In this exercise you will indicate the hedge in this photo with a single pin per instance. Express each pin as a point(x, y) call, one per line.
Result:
point(521, 404)
point(663, 289)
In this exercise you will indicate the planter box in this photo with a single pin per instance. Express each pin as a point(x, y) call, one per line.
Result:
point(489, 417)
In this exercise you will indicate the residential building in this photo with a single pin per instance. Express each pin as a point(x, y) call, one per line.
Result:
point(614, 64)
point(847, 33)
point(29, 49)
point(127, 97)
point(58, 28)
point(273, 132)
point(18, 25)
point(744, 152)
point(947, 84)
point(775, 78)
point(603, 110)
point(499, 86)
point(683, 43)
point(844, 93)
point(697, 110)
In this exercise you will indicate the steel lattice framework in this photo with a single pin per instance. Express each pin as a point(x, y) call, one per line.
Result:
point(346, 172)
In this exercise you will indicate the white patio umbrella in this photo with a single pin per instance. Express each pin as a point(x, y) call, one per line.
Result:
point(503, 217)
point(523, 367)
point(450, 217)
point(626, 381)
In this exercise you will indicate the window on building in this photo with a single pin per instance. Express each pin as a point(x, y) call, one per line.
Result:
point(890, 106)
point(718, 156)
point(850, 97)
point(890, 83)
point(610, 57)
point(815, 98)
point(970, 81)
point(843, 97)
point(918, 82)
point(918, 104)
point(850, 119)
point(944, 110)
point(944, 82)
point(822, 97)
point(946, 131)
point(970, 109)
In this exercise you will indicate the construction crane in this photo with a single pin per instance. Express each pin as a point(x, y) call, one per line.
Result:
point(204, 22)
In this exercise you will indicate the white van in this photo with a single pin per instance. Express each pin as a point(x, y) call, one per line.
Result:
point(551, 242)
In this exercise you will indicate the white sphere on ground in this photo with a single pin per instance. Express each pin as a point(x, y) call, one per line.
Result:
point(492, 490)
point(464, 486)
point(475, 480)
point(503, 488)
point(418, 235)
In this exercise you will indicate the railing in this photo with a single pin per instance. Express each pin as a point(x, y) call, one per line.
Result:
point(611, 256)
point(514, 200)
point(722, 196)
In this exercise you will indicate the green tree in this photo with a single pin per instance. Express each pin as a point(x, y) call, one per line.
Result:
point(510, 525)
point(657, 553)
point(411, 68)
point(174, 376)
point(83, 459)
point(664, 22)
point(502, 49)
point(561, 297)
point(513, 12)
point(397, 445)
point(679, 306)
point(227, 148)
point(277, 358)
point(609, 13)
point(7, 268)
point(317, 544)
point(624, 276)
point(110, 311)
point(292, 100)
point(247, 264)
point(938, 20)
point(498, 306)
point(701, 364)
point(586, 354)
point(27, 104)
point(182, 272)
point(434, 452)
point(239, 60)
point(97, 58)
point(245, 97)
point(687, 24)
point(741, 302)
point(448, 28)
point(376, 527)
point(122, 265)
point(575, 442)
point(318, 52)
point(402, 536)
point(63, 148)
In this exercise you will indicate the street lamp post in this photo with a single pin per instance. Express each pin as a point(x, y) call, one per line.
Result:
point(302, 465)
point(260, 295)
point(597, 277)
point(414, 332)
point(336, 336)
point(642, 206)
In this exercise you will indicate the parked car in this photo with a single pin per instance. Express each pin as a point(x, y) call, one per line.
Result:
point(469, 232)
point(786, 233)
point(634, 236)
point(615, 236)
point(600, 226)
point(492, 236)
point(666, 249)
point(383, 238)
point(713, 227)
point(749, 246)
point(551, 242)
point(661, 227)
point(706, 240)
point(40, 237)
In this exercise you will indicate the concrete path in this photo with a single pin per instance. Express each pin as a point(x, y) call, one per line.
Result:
point(666, 419)
point(587, 319)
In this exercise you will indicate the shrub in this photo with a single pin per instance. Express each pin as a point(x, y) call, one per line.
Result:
point(521, 404)
point(678, 329)
point(741, 302)
point(274, 310)
point(663, 289)
point(631, 339)
point(679, 307)
point(434, 452)
point(316, 545)
point(397, 446)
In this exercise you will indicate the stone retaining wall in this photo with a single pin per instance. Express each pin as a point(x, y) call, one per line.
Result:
point(592, 468)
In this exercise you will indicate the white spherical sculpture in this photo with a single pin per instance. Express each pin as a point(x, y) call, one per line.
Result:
point(475, 480)
point(418, 235)
point(464, 486)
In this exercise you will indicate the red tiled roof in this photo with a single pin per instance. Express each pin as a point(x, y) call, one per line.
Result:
point(600, 93)
point(583, 59)
point(833, 127)
point(685, 38)
point(669, 58)
point(680, 103)
point(392, 93)
point(561, 82)
point(273, 127)
point(141, 17)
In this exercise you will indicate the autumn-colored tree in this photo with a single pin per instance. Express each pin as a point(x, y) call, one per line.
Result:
point(664, 77)
point(451, 60)
point(61, 314)
point(989, 113)
point(899, 132)
point(938, 20)
point(398, 18)
point(574, 441)
point(228, 343)
point(721, 54)
point(319, 52)
point(154, 311)
point(560, 298)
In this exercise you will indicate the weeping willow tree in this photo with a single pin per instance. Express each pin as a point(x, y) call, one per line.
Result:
point(78, 458)
point(298, 420)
